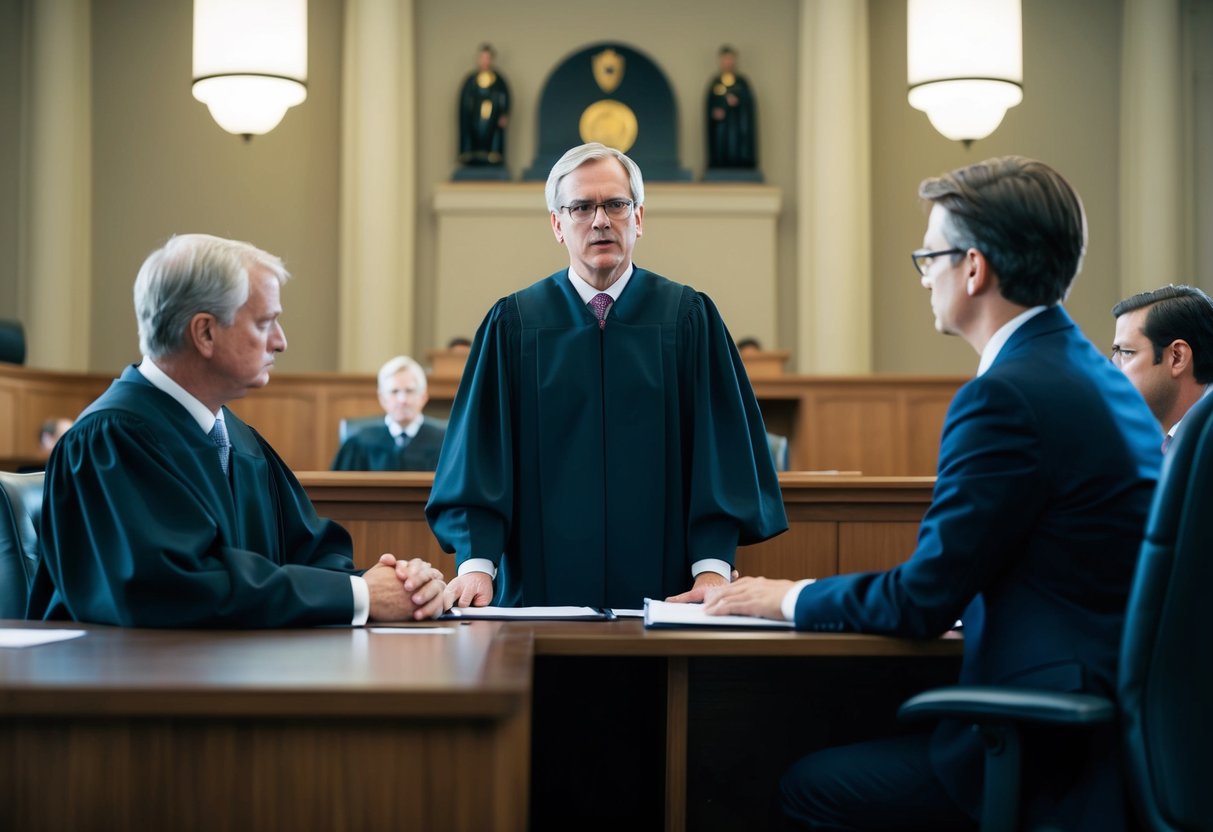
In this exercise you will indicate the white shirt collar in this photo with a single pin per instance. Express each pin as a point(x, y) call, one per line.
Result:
point(1175, 426)
point(410, 429)
point(999, 339)
point(587, 292)
point(161, 381)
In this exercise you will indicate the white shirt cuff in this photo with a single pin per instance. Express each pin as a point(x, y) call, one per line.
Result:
point(788, 607)
point(720, 567)
point(362, 600)
point(478, 565)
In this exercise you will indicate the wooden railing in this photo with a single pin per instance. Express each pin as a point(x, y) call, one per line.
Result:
point(877, 425)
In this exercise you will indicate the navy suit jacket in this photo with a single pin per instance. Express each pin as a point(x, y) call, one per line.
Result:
point(1046, 469)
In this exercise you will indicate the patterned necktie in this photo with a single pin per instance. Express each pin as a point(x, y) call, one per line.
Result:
point(218, 435)
point(599, 304)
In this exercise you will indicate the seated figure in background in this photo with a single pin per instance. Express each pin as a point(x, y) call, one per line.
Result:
point(50, 431)
point(405, 441)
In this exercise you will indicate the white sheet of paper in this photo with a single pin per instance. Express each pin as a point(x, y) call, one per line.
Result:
point(658, 613)
point(411, 631)
point(524, 612)
point(622, 613)
point(32, 638)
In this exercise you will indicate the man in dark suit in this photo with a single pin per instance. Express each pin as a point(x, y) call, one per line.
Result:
point(163, 509)
point(1164, 344)
point(1047, 465)
point(406, 441)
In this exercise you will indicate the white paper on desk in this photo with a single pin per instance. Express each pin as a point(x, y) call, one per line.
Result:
point(411, 631)
point(667, 614)
point(619, 612)
point(32, 638)
point(539, 613)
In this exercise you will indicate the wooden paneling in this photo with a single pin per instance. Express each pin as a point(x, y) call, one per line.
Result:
point(835, 523)
point(876, 425)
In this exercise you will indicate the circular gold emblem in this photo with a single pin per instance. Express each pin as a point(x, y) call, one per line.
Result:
point(611, 122)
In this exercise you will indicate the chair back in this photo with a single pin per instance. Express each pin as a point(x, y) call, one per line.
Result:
point(778, 446)
point(348, 427)
point(12, 342)
point(20, 510)
point(1166, 663)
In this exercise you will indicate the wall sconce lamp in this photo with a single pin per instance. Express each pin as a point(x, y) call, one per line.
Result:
point(250, 61)
point(964, 63)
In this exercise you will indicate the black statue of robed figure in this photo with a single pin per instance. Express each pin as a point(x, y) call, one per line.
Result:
point(484, 112)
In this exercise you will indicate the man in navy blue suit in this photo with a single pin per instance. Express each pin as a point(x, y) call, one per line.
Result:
point(1046, 468)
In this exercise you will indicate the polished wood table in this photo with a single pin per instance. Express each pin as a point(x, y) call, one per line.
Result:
point(491, 725)
point(321, 729)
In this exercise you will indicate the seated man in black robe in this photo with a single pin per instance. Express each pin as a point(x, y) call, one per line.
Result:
point(605, 444)
point(406, 441)
point(163, 509)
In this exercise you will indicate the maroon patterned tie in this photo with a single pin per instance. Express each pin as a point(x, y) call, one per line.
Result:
point(599, 304)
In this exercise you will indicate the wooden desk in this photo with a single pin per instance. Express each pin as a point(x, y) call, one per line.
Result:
point(319, 729)
point(739, 706)
point(351, 729)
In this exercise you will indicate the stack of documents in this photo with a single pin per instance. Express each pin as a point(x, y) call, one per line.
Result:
point(666, 614)
point(530, 613)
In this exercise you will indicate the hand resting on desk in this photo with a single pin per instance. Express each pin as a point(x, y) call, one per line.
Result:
point(474, 589)
point(762, 597)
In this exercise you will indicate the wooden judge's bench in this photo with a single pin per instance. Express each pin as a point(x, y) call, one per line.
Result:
point(878, 425)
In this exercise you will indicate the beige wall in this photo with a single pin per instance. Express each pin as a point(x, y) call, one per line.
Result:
point(1068, 118)
point(160, 164)
point(11, 24)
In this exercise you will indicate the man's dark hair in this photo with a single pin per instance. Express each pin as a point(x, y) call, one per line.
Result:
point(1177, 313)
point(1023, 216)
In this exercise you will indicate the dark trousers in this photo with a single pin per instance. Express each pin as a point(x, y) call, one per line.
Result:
point(882, 784)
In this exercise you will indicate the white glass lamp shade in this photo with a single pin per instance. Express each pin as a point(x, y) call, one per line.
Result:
point(250, 61)
point(964, 63)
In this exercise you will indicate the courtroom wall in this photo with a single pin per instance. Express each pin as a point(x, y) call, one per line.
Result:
point(1068, 118)
point(161, 165)
point(531, 39)
point(11, 22)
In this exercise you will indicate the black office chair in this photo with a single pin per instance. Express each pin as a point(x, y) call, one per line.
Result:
point(1165, 690)
point(20, 510)
point(12, 342)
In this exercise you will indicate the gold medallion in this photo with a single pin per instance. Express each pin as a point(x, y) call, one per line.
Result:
point(608, 69)
point(611, 122)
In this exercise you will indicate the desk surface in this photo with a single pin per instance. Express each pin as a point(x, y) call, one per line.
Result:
point(480, 667)
point(334, 672)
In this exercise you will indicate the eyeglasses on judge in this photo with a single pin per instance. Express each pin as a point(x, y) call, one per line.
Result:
point(922, 258)
point(616, 209)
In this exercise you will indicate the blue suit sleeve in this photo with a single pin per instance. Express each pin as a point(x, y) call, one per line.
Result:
point(988, 494)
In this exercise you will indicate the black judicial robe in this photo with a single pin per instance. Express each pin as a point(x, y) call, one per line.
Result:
point(141, 528)
point(374, 449)
point(593, 467)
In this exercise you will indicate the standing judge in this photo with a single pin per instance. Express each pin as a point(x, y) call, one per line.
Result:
point(604, 444)
point(406, 441)
point(163, 509)
point(1047, 466)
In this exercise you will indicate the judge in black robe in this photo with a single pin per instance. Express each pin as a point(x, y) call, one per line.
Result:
point(375, 449)
point(162, 509)
point(203, 551)
point(595, 463)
